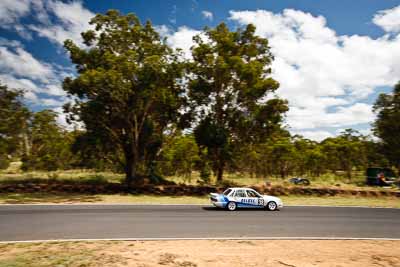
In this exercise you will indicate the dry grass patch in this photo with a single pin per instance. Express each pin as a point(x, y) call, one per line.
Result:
point(72, 254)
point(65, 198)
point(386, 202)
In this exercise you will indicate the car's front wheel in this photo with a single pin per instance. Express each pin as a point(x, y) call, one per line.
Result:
point(231, 206)
point(272, 206)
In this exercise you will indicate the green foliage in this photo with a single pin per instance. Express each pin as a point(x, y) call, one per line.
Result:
point(180, 156)
point(346, 151)
point(228, 81)
point(90, 153)
point(126, 89)
point(205, 173)
point(50, 144)
point(387, 124)
point(13, 120)
point(284, 156)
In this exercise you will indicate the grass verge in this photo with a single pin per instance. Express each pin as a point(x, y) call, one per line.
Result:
point(36, 198)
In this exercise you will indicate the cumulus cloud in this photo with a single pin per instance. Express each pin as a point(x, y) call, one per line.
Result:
point(54, 20)
point(317, 135)
point(325, 76)
point(23, 64)
point(51, 19)
point(20, 70)
point(71, 19)
point(183, 39)
point(388, 19)
point(11, 10)
point(207, 15)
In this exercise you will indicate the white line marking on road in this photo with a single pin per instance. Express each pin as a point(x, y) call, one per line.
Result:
point(197, 238)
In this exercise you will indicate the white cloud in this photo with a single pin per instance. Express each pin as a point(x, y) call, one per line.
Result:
point(23, 64)
point(72, 18)
point(163, 30)
point(172, 15)
point(9, 43)
point(326, 77)
point(207, 15)
point(55, 20)
point(314, 135)
point(343, 116)
point(12, 10)
point(20, 70)
point(183, 39)
point(62, 120)
point(388, 19)
point(21, 83)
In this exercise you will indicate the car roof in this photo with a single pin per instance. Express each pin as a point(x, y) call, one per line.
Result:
point(242, 188)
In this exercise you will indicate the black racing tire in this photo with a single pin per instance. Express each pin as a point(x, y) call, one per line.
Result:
point(231, 206)
point(272, 206)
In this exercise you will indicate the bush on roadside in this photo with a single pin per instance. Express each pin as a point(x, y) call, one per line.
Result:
point(4, 162)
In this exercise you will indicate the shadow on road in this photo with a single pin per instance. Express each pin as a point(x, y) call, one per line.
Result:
point(239, 209)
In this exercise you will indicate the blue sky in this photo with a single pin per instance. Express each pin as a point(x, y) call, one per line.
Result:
point(332, 57)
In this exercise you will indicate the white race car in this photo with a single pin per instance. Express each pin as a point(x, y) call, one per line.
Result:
point(241, 197)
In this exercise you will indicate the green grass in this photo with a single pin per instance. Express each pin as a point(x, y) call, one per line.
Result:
point(35, 198)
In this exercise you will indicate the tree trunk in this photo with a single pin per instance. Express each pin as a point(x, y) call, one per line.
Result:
point(220, 162)
point(131, 153)
point(348, 170)
point(129, 167)
point(220, 170)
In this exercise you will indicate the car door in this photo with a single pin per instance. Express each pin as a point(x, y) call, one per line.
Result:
point(240, 198)
point(255, 198)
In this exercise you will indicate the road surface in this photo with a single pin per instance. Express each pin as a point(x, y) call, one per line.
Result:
point(48, 222)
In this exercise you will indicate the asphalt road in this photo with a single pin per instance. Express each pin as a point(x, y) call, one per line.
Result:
point(31, 222)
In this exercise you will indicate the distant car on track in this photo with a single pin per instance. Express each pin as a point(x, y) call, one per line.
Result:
point(380, 176)
point(299, 181)
point(241, 197)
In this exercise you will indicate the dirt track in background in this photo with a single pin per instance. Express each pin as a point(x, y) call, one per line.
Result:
point(192, 253)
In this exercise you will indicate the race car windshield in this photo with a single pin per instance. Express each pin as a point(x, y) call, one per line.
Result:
point(227, 192)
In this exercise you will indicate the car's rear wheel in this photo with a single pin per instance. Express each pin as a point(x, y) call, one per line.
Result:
point(231, 206)
point(272, 206)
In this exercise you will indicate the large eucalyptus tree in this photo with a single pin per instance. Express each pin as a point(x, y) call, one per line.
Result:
point(231, 90)
point(126, 91)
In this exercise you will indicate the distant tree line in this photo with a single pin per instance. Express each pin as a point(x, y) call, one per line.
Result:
point(149, 112)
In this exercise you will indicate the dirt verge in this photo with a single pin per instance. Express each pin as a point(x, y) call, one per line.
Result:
point(192, 253)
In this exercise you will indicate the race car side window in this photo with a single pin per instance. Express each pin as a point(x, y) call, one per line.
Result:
point(240, 193)
point(256, 193)
point(227, 192)
point(251, 193)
